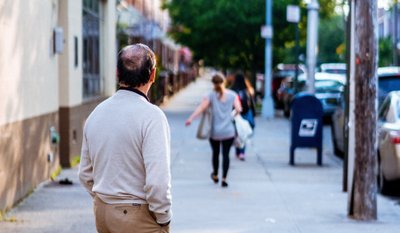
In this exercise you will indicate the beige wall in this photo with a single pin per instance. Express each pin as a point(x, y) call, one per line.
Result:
point(24, 152)
point(28, 67)
point(70, 76)
point(35, 83)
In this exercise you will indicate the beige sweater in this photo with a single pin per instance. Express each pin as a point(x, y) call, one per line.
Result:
point(126, 154)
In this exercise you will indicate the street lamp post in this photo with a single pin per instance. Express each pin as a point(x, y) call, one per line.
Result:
point(293, 16)
point(268, 105)
point(312, 42)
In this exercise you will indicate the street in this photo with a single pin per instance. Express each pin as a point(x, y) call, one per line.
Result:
point(265, 193)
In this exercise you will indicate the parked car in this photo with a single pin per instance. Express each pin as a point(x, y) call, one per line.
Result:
point(328, 89)
point(282, 72)
point(333, 68)
point(388, 80)
point(389, 141)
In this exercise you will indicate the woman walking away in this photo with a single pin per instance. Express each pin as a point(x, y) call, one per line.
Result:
point(220, 101)
point(245, 93)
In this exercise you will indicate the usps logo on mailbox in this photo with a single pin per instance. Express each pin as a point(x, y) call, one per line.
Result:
point(308, 127)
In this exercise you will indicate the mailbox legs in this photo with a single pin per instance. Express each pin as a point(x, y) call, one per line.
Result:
point(291, 162)
point(319, 156)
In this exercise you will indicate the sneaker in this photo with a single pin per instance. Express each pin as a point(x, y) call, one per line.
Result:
point(224, 184)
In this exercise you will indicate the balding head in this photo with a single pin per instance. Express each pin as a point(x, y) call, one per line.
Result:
point(135, 64)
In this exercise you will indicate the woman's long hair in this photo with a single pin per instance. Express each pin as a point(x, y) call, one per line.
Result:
point(239, 83)
point(242, 83)
point(218, 81)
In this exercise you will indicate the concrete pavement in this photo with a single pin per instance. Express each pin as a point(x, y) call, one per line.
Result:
point(265, 194)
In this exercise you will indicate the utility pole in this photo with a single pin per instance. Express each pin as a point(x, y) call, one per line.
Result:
point(362, 199)
point(395, 33)
point(312, 43)
point(268, 104)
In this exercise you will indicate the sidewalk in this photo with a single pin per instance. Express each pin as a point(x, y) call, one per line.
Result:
point(265, 194)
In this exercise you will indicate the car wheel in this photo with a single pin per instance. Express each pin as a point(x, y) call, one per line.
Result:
point(336, 149)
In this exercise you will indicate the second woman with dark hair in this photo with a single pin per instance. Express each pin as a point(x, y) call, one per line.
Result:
point(245, 93)
point(221, 102)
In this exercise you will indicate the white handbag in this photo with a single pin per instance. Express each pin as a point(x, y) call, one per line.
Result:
point(243, 131)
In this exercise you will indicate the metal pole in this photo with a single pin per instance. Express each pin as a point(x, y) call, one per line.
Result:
point(296, 76)
point(312, 43)
point(268, 105)
point(351, 105)
point(349, 48)
point(395, 34)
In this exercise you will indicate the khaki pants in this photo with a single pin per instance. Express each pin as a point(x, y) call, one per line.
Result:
point(125, 218)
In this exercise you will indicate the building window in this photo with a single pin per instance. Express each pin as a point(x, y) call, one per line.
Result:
point(91, 48)
point(76, 52)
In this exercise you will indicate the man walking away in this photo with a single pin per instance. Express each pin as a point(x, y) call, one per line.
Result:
point(125, 160)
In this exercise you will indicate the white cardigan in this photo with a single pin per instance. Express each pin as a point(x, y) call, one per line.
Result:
point(126, 154)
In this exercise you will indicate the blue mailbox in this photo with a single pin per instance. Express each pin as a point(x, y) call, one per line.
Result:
point(306, 123)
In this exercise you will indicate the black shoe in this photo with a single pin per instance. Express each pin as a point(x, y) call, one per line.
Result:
point(224, 184)
point(66, 181)
point(214, 177)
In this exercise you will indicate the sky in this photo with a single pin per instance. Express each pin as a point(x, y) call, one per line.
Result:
point(384, 3)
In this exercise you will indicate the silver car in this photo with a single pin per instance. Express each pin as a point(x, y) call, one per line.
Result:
point(328, 89)
point(388, 80)
point(389, 140)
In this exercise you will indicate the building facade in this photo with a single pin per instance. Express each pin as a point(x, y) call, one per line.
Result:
point(145, 21)
point(389, 27)
point(57, 62)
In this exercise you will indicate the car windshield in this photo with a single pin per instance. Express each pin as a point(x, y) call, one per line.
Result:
point(389, 83)
point(335, 71)
point(398, 109)
point(328, 86)
point(286, 73)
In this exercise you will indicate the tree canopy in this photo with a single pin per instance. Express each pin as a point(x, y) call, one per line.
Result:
point(227, 33)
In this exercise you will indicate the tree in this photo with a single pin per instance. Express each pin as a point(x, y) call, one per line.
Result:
point(226, 33)
point(385, 51)
point(331, 40)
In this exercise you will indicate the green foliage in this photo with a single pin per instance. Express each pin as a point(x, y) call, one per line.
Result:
point(385, 51)
point(331, 40)
point(122, 38)
point(284, 35)
point(226, 33)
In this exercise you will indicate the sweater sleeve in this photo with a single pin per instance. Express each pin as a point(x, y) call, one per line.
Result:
point(156, 155)
point(85, 172)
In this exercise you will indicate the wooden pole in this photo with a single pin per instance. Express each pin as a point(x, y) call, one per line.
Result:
point(363, 191)
point(395, 33)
